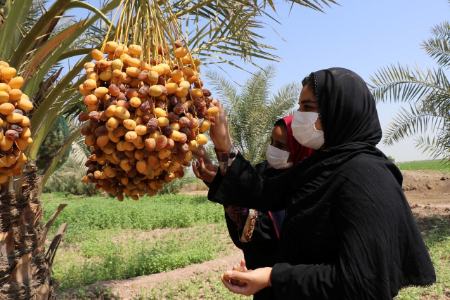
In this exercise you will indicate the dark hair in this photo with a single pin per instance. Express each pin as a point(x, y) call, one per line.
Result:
point(280, 123)
point(311, 82)
point(308, 80)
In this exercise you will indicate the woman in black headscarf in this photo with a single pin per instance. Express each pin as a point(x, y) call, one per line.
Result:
point(349, 232)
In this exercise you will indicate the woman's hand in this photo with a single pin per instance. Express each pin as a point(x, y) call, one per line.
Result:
point(241, 266)
point(204, 171)
point(200, 152)
point(219, 132)
point(249, 282)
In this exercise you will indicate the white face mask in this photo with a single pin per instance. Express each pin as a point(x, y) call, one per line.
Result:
point(277, 158)
point(304, 129)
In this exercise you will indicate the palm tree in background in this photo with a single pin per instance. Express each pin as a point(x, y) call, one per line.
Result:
point(253, 111)
point(426, 91)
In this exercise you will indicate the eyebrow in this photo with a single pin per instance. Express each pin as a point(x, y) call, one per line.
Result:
point(308, 101)
point(279, 143)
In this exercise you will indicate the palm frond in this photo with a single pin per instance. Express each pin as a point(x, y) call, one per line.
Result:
point(427, 91)
point(230, 32)
point(279, 106)
point(285, 99)
point(442, 31)
point(10, 33)
point(398, 83)
point(438, 47)
point(252, 113)
point(224, 89)
point(36, 11)
point(224, 30)
point(250, 110)
point(315, 4)
point(412, 121)
point(436, 147)
point(436, 103)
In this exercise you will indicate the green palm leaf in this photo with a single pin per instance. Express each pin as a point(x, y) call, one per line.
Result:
point(403, 84)
point(253, 112)
point(428, 93)
point(438, 46)
point(314, 4)
point(435, 146)
point(412, 121)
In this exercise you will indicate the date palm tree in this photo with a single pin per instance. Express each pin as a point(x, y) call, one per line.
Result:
point(427, 93)
point(253, 111)
point(35, 41)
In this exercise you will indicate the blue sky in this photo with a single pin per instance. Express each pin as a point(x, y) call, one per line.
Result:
point(362, 35)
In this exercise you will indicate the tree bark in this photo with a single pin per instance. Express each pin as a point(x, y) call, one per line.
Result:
point(25, 266)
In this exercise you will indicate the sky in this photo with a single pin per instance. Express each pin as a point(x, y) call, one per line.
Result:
point(361, 35)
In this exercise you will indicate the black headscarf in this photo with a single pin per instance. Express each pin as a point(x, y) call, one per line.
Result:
point(347, 108)
point(350, 123)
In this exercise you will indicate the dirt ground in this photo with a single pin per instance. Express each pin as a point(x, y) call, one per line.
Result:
point(427, 192)
point(427, 188)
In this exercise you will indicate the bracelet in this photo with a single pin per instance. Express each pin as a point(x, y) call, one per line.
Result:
point(226, 158)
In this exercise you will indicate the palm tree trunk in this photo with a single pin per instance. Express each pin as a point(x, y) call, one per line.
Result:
point(25, 266)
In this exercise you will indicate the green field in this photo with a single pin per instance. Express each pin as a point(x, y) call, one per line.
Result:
point(434, 165)
point(107, 240)
point(84, 214)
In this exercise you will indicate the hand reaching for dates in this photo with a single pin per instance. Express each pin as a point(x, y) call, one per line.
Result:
point(204, 171)
point(219, 132)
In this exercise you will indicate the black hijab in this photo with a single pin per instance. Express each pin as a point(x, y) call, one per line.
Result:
point(350, 123)
point(347, 108)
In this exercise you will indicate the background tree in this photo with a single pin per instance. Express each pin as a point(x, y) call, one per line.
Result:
point(52, 143)
point(426, 91)
point(253, 112)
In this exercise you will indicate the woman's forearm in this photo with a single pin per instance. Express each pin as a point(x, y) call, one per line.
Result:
point(242, 185)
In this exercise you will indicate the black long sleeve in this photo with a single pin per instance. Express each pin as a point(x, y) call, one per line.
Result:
point(245, 186)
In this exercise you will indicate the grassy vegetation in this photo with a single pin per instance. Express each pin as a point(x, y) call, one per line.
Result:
point(207, 286)
point(107, 255)
point(436, 231)
point(108, 239)
point(434, 165)
point(84, 214)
